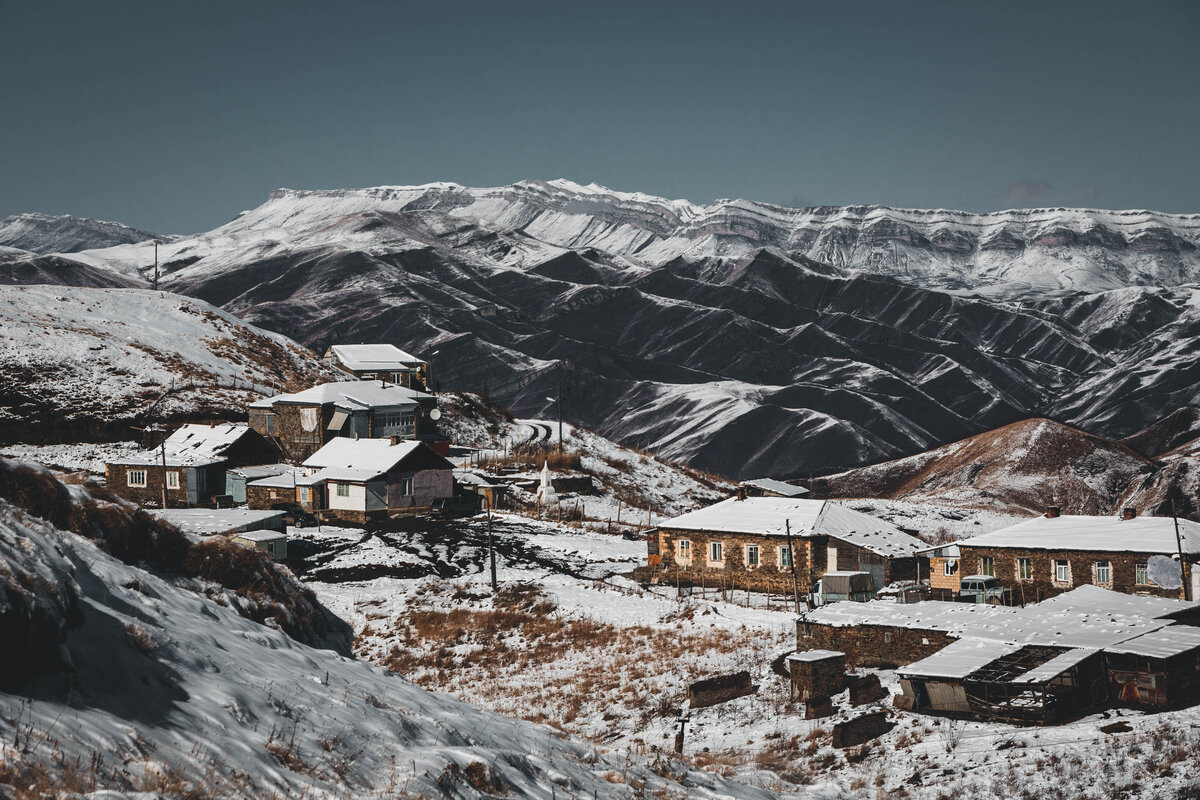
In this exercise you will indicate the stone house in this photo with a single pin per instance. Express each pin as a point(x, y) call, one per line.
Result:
point(303, 422)
point(196, 458)
point(369, 362)
point(743, 542)
point(363, 479)
point(1054, 553)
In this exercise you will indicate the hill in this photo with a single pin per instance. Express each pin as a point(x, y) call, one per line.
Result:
point(1025, 466)
point(86, 364)
point(61, 233)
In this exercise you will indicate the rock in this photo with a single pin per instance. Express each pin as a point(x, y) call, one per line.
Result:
point(860, 729)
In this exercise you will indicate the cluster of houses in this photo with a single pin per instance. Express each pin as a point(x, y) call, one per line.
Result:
point(358, 449)
point(1036, 623)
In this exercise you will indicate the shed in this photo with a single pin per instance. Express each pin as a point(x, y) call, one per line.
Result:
point(272, 543)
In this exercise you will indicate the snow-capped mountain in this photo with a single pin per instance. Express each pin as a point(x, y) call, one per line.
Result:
point(62, 233)
point(714, 334)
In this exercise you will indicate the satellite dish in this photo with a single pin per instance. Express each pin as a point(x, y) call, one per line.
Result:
point(1164, 571)
point(435, 415)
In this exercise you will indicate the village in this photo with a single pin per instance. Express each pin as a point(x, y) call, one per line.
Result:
point(1037, 623)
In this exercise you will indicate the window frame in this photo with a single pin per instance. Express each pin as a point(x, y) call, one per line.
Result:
point(785, 557)
point(1024, 569)
point(987, 566)
point(716, 552)
point(757, 561)
point(130, 481)
point(1141, 574)
point(172, 479)
point(341, 490)
point(949, 567)
point(1106, 569)
point(683, 549)
point(1065, 565)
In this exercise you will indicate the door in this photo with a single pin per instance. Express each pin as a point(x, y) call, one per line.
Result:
point(831, 559)
point(1195, 570)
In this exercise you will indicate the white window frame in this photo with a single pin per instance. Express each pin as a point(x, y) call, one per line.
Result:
point(683, 549)
point(406, 486)
point(1028, 562)
point(716, 553)
point(753, 548)
point(173, 479)
point(987, 566)
point(1062, 567)
point(949, 567)
point(1141, 574)
point(342, 489)
point(785, 557)
point(132, 479)
point(1106, 569)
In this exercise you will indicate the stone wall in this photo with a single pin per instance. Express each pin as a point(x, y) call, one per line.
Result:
point(721, 689)
point(263, 497)
point(1042, 584)
point(116, 477)
point(871, 645)
point(821, 678)
point(734, 572)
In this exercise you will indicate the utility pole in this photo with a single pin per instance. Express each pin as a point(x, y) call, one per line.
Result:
point(1183, 572)
point(560, 438)
point(162, 450)
point(156, 278)
point(491, 545)
point(792, 560)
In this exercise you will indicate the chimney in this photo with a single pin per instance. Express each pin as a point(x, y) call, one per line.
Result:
point(395, 439)
point(1128, 512)
point(741, 494)
point(1053, 512)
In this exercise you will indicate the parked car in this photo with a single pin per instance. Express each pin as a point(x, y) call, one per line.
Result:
point(463, 505)
point(296, 515)
point(980, 589)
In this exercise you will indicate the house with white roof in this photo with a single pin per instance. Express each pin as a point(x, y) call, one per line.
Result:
point(758, 542)
point(1054, 553)
point(302, 422)
point(190, 464)
point(369, 362)
point(362, 479)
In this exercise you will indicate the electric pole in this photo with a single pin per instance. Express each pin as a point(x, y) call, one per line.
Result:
point(491, 545)
point(156, 276)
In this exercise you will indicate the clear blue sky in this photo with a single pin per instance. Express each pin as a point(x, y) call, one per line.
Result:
point(175, 116)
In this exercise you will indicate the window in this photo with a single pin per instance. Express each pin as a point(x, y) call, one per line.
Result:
point(716, 552)
point(887, 637)
point(343, 489)
point(684, 548)
point(1062, 571)
point(987, 565)
point(394, 423)
point(949, 566)
point(270, 423)
point(368, 376)
point(1141, 574)
point(136, 477)
point(406, 486)
point(1103, 573)
point(274, 494)
point(173, 479)
point(751, 555)
point(1024, 569)
point(785, 556)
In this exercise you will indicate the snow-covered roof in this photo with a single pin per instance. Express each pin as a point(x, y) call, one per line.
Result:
point(1086, 617)
point(778, 487)
point(359, 357)
point(959, 659)
point(769, 516)
point(283, 480)
point(375, 456)
point(815, 655)
point(1106, 534)
point(193, 446)
point(260, 471)
point(350, 394)
point(261, 536)
point(342, 475)
point(218, 520)
point(1162, 643)
point(1056, 666)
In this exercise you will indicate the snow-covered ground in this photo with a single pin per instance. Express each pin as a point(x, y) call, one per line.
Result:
point(86, 457)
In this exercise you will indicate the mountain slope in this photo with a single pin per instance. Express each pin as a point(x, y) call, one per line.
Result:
point(159, 689)
point(1024, 466)
point(51, 233)
point(80, 363)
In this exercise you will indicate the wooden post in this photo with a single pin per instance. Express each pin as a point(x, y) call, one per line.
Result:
point(787, 523)
point(491, 546)
point(162, 445)
point(618, 511)
point(1183, 572)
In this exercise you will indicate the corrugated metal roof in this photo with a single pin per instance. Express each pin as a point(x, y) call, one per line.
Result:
point(1103, 534)
point(360, 357)
point(1056, 666)
point(959, 659)
point(779, 487)
point(350, 394)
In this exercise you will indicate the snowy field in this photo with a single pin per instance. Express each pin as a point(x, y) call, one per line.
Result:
point(568, 642)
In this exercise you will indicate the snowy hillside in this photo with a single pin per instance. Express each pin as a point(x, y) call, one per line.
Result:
point(739, 337)
point(170, 693)
point(79, 363)
point(50, 233)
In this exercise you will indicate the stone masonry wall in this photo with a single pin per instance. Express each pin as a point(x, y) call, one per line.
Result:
point(871, 645)
point(1042, 584)
point(733, 572)
point(117, 479)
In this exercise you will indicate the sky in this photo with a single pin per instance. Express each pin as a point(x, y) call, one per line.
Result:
point(175, 116)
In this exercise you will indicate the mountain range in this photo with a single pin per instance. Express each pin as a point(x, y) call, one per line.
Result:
point(741, 337)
